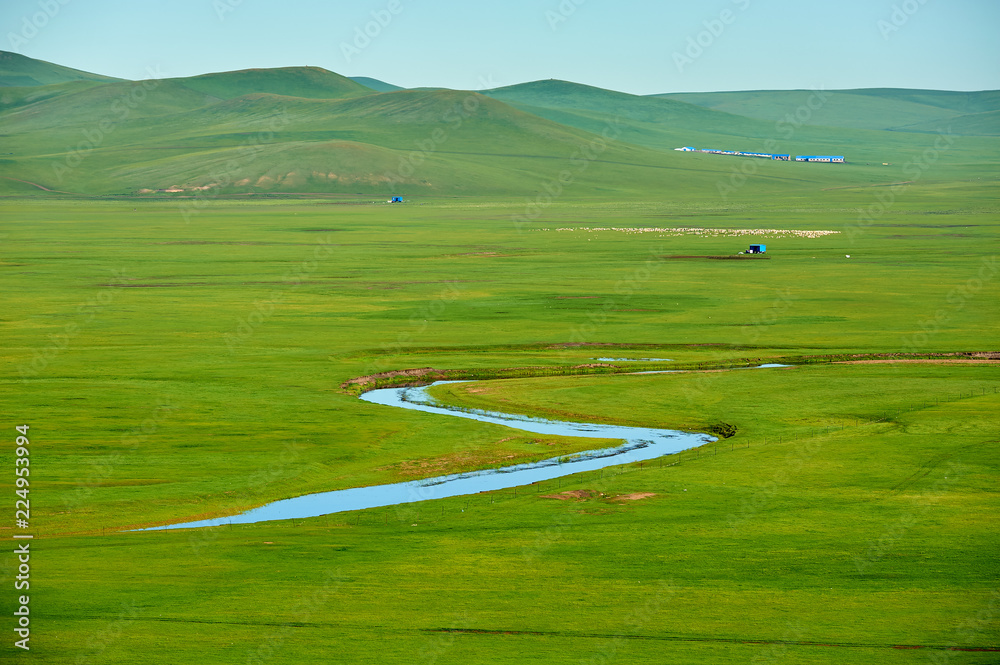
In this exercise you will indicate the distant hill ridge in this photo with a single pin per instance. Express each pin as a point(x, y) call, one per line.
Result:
point(308, 82)
point(310, 130)
point(870, 108)
point(22, 71)
point(375, 84)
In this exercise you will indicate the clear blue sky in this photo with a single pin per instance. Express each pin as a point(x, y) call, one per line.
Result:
point(642, 47)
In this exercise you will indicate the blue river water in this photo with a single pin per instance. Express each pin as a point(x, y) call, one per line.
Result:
point(638, 444)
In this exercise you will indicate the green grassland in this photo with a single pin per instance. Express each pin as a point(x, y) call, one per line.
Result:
point(185, 356)
point(161, 407)
point(855, 546)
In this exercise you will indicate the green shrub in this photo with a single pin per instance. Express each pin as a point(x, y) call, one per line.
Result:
point(723, 430)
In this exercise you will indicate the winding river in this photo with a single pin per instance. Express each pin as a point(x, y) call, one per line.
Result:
point(640, 444)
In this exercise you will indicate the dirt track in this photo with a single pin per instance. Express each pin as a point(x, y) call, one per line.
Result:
point(35, 184)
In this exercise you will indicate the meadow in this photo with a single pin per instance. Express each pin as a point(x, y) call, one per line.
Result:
point(172, 367)
point(200, 275)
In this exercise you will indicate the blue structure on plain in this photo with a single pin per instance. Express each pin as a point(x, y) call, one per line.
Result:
point(757, 249)
point(829, 159)
point(396, 199)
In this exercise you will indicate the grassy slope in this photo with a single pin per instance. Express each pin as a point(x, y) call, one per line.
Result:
point(65, 116)
point(665, 124)
point(986, 123)
point(20, 70)
point(485, 147)
point(963, 102)
point(565, 94)
point(309, 82)
point(13, 97)
point(182, 134)
point(659, 123)
point(375, 84)
point(860, 109)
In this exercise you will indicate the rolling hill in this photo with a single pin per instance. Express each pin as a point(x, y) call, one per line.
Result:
point(309, 82)
point(408, 141)
point(309, 130)
point(665, 123)
point(21, 71)
point(876, 108)
point(657, 123)
point(375, 84)
point(986, 123)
